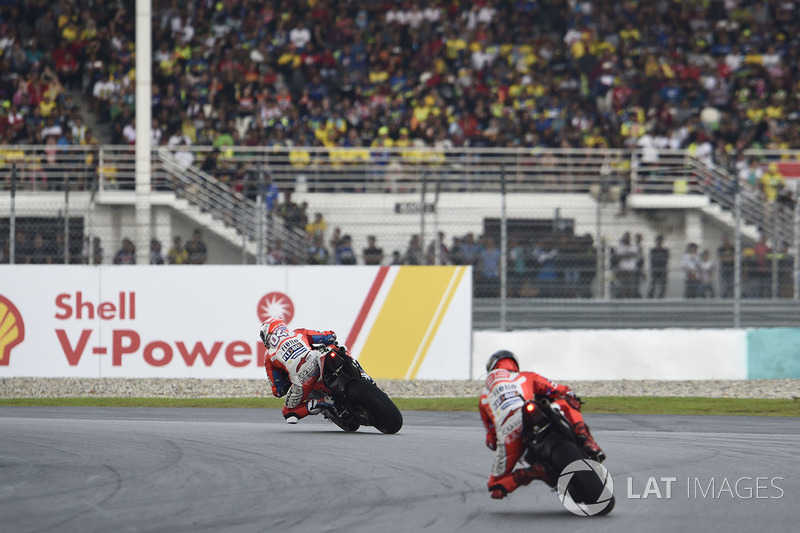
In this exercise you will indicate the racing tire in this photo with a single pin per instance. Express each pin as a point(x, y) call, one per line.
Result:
point(382, 411)
point(585, 486)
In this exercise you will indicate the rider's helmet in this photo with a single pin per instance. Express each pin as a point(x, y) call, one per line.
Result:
point(502, 359)
point(268, 327)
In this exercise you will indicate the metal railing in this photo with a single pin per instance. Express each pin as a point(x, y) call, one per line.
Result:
point(633, 314)
point(49, 167)
point(341, 169)
point(381, 170)
point(372, 170)
point(397, 170)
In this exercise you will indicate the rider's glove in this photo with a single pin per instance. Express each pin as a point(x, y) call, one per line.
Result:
point(573, 400)
point(491, 441)
point(328, 339)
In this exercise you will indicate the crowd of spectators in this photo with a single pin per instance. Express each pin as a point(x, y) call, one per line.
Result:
point(707, 273)
point(696, 74)
point(706, 75)
point(192, 252)
point(46, 50)
point(331, 72)
point(47, 247)
point(551, 264)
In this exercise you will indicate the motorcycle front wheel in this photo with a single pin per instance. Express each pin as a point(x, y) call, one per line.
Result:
point(382, 411)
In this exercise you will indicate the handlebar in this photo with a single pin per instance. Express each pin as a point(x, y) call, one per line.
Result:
point(327, 347)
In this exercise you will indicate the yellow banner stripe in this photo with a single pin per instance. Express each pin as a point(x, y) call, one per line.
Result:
point(441, 311)
point(405, 317)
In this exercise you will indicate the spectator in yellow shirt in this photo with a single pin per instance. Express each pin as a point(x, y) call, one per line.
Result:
point(404, 141)
point(383, 138)
point(317, 226)
point(772, 182)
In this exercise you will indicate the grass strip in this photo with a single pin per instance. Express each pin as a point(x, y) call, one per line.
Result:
point(668, 405)
point(650, 405)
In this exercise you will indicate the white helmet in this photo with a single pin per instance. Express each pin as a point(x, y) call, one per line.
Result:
point(268, 327)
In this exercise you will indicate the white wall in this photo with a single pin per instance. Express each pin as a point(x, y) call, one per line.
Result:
point(664, 354)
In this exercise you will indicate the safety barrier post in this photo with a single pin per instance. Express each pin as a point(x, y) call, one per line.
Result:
point(737, 246)
point(12, 233)
point(66, 218)
point(796, 232)
point(503, 248)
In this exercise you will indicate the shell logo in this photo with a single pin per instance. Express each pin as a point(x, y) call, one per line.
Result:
point(275, 305)
point(12, 329)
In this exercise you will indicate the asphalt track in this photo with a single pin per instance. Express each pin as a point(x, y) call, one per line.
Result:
point(230, 470)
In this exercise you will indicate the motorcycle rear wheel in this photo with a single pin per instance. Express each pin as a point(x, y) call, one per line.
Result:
point(384, 414)
point(585, 486)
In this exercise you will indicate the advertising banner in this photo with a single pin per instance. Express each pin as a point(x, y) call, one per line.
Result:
point(402, 322)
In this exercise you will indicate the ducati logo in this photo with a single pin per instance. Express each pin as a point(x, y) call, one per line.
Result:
point(12, 329)
point(275, 305)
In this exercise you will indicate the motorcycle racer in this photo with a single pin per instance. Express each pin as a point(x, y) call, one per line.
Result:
point(505, 391)
point(292, 368)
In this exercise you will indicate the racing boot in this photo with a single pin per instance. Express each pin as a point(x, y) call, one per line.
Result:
point(293, 416)
point(524, 476)
point(587, 442)
point(498, 493)
point(502, 486)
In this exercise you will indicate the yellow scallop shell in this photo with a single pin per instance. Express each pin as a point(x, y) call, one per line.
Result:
point(12, 329)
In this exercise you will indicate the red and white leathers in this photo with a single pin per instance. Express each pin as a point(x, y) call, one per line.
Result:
point(503, 396)
point(293, 367)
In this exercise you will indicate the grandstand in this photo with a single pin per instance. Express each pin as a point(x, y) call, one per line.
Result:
point(640, 117)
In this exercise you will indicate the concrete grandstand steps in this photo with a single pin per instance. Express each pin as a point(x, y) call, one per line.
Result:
point(727, 218)
point(212, 223)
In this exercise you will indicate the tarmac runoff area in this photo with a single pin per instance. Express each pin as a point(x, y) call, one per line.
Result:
point(142, 470)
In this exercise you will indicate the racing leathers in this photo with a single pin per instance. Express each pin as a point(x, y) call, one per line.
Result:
point(501, 403)
point(293, 367)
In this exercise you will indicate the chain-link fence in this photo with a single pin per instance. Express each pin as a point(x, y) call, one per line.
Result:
point(536, 224)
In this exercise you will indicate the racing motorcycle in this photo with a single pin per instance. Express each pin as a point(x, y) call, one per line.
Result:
point(349, 397)
point(550, 440)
